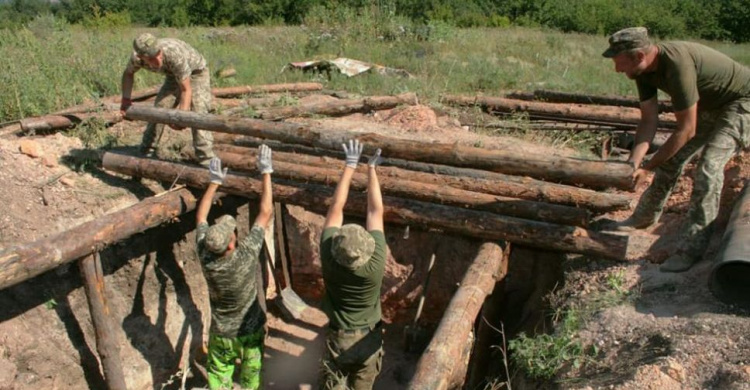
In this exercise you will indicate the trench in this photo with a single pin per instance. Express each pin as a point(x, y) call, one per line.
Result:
point(159, 303)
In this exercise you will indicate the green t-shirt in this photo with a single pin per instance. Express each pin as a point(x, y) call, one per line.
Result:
point(231, 280)
point(693, 73)
point(352, 297)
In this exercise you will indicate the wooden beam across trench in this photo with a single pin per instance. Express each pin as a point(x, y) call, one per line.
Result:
point(450, 219)
point(594, 174)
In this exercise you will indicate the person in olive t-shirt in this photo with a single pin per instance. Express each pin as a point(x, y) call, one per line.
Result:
point(710, 93)
point(353, 262)
point(230, 267)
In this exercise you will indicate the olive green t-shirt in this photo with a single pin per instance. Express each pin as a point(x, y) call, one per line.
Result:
point(352, 297)
point(693, 73)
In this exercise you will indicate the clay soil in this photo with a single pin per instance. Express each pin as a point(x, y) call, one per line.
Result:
point(675, 335)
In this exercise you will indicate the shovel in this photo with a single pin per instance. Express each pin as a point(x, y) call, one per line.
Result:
point(290, 304)
point(415, 337)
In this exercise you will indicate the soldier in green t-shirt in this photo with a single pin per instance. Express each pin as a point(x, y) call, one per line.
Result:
point(230, 267)
point(711, 97)
point(353, 262)
point(187, 86)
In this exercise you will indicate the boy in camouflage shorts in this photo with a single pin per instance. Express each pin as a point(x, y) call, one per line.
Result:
point(187, 86)
point(237, 320)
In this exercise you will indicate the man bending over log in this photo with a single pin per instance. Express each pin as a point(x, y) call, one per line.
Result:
point(230, 267)
point(711, 97)
point(353, 262)
point(187, 86)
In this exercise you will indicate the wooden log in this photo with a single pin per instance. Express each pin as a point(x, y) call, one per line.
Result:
point(597, 174)
point(561, 112)
point(461, 178)
point(580, 98)
point(59, 122)
point(139, 96)
point(22, 262)
point(441, 364)
point(106, 341)
point(405, 188)
point(397, 210)
point(269, 88)
point(340, 107)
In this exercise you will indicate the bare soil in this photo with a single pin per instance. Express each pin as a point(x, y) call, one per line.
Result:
point(675, 335)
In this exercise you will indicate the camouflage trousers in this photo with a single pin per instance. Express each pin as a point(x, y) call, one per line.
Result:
point(721, 133)
point(223, 351)
point(353, 359)
point(168, 97)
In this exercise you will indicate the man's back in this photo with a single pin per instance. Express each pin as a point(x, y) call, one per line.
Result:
point(352, 297)
point(693, 73)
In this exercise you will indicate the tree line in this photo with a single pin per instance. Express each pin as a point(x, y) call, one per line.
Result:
point(705, 19)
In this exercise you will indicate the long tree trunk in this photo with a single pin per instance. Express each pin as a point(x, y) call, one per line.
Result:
point(22, 262)
point(270, 88)
point(461, 178)
point(138, 96)
point(559, 111)
point(596, 174)
point(397, 210)
point(440, 365)
point(340, 107)
point(405, 188)
point(580, 98)
point(59, 122)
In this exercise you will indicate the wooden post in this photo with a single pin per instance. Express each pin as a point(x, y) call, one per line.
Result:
point(269, 88)
point(597, 174)
point(579, 98)
point(340, 107)
point(22, 262)
point(106, 340)
point(443, 362)
point(59, 122)
point(397, 210)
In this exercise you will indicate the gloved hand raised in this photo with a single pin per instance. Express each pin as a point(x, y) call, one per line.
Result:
point(215, 173)
point(265, 164)
point(353, 152)
point(375, 159)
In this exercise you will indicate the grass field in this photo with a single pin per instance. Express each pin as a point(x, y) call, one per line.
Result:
point(51, 65)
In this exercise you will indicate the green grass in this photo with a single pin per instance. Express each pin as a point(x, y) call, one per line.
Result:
point(543, 355)
point(51, 65)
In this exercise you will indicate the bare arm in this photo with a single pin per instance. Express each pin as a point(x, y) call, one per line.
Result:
point(186, 94)
point(646, 130)
point(127, 89)
point(687, 121)
point(374, 196)
point(335, 216)
point(205, 205)
point(266, 202)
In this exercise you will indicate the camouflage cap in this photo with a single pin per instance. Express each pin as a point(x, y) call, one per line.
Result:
point(352, 246)
point(627, 39)
point(219, 235)
point(145, 45)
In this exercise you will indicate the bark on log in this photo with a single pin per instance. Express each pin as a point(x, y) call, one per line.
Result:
point(595, 174)
point(269, 88)
point(484, 182)
point(561, 112)
point(397, 210)
point(442, 362)
point(341, 107)
point(580, 98)
point(405, 188)
point(106, 341)
point(138, 96)
point(22, 262)
point(59, 122)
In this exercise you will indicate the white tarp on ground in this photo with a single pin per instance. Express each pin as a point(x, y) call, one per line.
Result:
point(348, 67)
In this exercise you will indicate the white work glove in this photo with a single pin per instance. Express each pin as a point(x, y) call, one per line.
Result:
point(215, 173)
point(375, 159)
point(353, 152)
point(265, 164)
